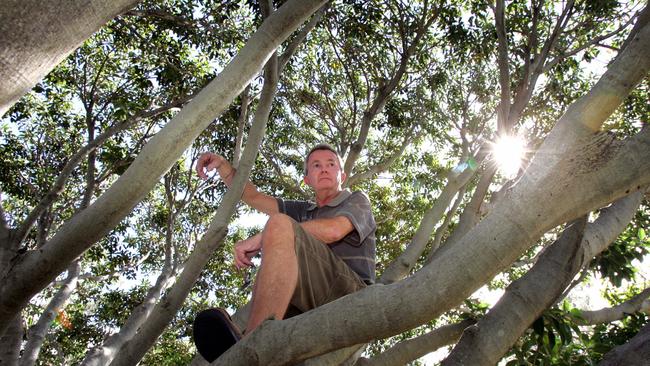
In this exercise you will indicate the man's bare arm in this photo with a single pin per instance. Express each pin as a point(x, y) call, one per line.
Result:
point(260, 201)
point(328, 230)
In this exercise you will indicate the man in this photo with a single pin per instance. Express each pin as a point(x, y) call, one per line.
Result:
point(312, 253)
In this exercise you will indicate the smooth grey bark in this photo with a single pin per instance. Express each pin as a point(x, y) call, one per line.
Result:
point(34, 270)
point(636, 352)
point(412, 349)
point(10, 342)
point(36, 334)
point(527, 298)
point(37, 35)
point(638, 303)
point(575, 171)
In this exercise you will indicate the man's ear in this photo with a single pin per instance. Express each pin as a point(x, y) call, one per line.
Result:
point(306, 180)
point(343, 176)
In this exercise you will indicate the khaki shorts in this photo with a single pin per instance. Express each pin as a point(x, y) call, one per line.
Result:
point(322, 276)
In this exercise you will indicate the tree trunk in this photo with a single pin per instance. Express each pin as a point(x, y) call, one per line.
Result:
point(34, 270)
point(10, 342)
point(37, 35)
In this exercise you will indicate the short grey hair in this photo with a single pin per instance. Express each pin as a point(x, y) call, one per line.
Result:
point(322, 146)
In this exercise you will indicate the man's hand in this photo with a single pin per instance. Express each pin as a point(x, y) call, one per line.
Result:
point(246, 249)
point(210, 161)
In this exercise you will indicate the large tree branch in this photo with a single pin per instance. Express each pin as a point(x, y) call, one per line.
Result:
point(33, 272)
point(501, 237)
point(10, 340)
point(635, 352)
point(527, 298)
point(164, 311)
point(36, 36)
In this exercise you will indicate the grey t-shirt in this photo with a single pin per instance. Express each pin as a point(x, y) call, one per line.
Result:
point(357, 249)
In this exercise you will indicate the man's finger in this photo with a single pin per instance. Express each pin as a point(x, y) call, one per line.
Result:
point(200, 164)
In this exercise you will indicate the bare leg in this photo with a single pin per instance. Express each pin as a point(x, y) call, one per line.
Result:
point(278, 274)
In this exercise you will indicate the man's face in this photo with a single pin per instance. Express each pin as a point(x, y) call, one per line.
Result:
point(324, 171)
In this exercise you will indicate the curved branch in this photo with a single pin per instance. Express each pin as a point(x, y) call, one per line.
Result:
point(36, 334)
point(133, 351)
point(514, 224)
point(638, 303)
point(412, 349)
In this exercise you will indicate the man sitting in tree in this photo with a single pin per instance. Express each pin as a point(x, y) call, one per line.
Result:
point(312, 253)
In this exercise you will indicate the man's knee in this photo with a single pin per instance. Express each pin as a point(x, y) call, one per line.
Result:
point(279, 226)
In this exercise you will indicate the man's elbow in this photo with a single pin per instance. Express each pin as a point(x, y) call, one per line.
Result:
point(335, 234)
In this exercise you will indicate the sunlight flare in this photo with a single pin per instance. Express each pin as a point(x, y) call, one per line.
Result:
point(508, 152)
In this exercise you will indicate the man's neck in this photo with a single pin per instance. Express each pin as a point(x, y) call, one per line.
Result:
point(325, 197)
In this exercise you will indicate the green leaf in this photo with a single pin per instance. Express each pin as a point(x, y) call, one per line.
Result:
point(641, 234)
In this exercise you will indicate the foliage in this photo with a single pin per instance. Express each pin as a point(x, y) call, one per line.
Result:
point(131, 76)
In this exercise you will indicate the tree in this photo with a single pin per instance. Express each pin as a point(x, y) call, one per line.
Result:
point(97, 177)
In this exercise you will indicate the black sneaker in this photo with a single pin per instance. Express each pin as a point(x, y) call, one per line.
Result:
point(214, 333)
